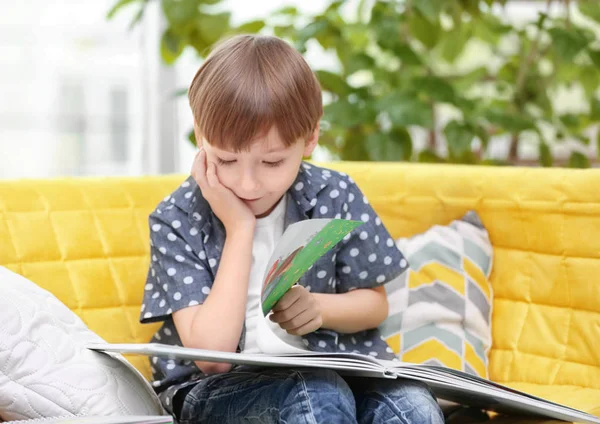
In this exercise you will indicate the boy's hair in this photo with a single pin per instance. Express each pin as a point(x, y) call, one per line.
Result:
point(249, 84)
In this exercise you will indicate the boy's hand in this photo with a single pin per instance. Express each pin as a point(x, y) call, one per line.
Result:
point(232, 211)
point(297, 312)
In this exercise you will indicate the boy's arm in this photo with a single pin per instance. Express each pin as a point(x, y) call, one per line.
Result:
point(217, 323)
point(354, 311)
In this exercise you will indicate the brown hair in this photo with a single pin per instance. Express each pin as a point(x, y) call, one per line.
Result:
point(249, 84)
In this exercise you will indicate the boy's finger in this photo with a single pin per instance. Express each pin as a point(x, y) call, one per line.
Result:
point(288, 299)
point(309, 327)
point(298, 321)
point(211, 175)
point(288, 314)
point(199, 168)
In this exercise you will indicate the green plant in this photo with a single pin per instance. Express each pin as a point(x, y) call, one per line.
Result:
point(401, 65)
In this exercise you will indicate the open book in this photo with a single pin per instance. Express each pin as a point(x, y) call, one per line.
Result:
point(447, 384)
point(301, 245)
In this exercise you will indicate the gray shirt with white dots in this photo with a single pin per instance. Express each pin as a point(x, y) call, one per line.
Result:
point(186, 241)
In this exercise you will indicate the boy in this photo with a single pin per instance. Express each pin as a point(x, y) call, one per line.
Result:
point(256, 107)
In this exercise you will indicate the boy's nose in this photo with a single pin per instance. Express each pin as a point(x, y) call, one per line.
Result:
point(249, 183)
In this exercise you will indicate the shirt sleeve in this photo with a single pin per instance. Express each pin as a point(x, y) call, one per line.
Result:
point(368, 257)
point(179, 273)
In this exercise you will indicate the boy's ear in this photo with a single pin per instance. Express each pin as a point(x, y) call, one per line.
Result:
point(312, 141)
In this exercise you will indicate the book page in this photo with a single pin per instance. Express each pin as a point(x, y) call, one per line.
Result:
point(270, 343)
point(301, 245)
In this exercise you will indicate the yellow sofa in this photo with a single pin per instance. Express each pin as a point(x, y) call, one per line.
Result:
point(86, 240)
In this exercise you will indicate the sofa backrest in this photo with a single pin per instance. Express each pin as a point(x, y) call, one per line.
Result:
point(544, 225)
point(86, 240)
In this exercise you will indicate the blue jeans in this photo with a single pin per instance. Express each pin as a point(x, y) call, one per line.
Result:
point(278, 395)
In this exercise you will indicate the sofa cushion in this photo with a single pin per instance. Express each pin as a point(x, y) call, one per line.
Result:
point(441, 309)
point(45, 369)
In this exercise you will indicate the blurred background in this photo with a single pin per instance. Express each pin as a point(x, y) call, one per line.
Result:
point(97, 87)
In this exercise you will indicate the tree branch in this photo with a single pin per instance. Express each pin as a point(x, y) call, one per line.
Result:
point(432, 141)
point(520, 82)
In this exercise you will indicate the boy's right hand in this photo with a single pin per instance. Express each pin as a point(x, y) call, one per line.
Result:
point(233, 212)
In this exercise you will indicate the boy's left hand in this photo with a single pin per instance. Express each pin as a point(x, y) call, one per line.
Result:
point(297, 312)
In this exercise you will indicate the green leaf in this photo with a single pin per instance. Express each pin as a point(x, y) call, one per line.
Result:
point(435, 88)
point(567, 44)
point(212, 27)
point(566, 73)
point(406, 109)
point(468, 79)
point(138, 17)
point(595, 56)
point(427, 156)
point(579, 160)
point(287, 10)
point(333, 83)
point(510, 122)
point(362, 9)
point(546, 158)
point(334, 6)
point(118, 6)
point(571, 121)
point(343, 113)
point(312, 30)
point(354, 147)
point(489, 29)
point(201, 46)
point(589, 78)
point(471, 6)
point(430, 9)
point(595, 109)
point(191, 137)
point(395, 146)
point(171, 47)
point(590, 8)
point(406, 54)
point(251, 27)
point(357, 62)
point(401, 137)
point(180, 12)
point(452, 44)
point(425, 31)
point(459, 137)
point(357, 35)
point(482, 134)
point(180, 92)
point(283, 31)
point(495, 162)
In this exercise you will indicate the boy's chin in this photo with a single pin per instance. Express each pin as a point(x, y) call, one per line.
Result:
point(260, 211)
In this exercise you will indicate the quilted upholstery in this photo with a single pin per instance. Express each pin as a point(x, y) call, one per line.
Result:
point(85, 240)
point(45, 369)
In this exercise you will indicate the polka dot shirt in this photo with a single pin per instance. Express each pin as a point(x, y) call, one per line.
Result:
point(186, 241)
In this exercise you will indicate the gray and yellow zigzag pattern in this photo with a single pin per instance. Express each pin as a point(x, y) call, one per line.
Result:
point(440, 310)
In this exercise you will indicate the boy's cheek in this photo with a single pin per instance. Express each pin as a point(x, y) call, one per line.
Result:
point(224, 175)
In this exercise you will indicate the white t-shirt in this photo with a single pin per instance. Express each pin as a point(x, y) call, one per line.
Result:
point(263, 335)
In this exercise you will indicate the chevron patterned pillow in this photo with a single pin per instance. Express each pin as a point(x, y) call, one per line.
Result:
point(441, 309)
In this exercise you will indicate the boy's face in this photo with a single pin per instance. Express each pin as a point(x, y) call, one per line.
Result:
point(261, 175)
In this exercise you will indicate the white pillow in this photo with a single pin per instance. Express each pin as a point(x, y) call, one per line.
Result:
point(440, 311)
point(45, 369)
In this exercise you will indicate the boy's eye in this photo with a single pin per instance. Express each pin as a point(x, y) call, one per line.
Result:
point(225, 162)
point(273, 164)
